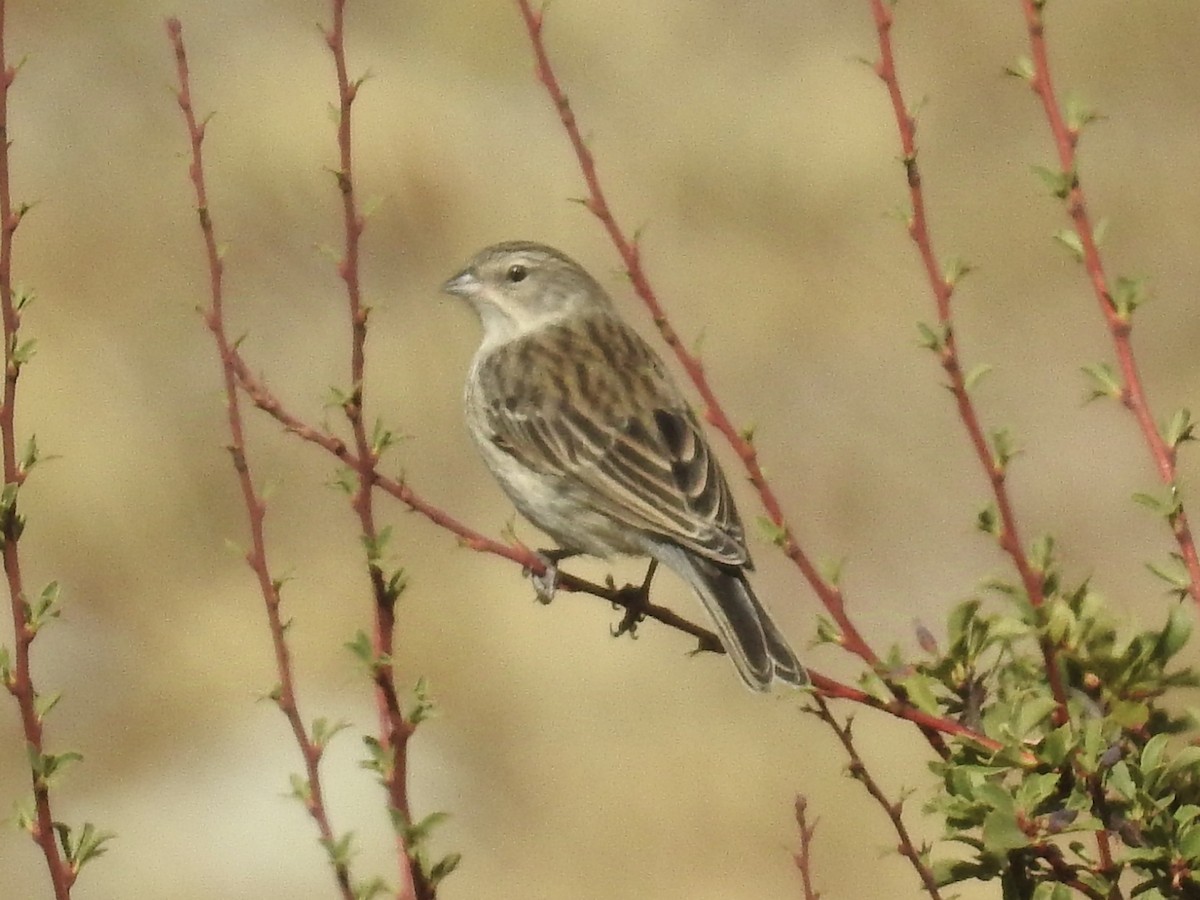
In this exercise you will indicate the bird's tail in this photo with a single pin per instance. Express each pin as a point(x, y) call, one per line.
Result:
point(751, 638)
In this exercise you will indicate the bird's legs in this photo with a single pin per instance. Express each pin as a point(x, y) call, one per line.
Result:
point(546, 583)
point(635, 598)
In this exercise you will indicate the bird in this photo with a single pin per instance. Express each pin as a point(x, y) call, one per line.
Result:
point(579, 421)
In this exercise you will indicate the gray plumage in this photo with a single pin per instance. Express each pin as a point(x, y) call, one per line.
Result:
point(578, 420)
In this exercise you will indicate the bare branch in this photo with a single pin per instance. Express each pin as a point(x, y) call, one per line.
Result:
point(256, 509)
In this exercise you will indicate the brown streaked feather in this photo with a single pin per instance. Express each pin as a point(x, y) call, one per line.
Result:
point(635, 451)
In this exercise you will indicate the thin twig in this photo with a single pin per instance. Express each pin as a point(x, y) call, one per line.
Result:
point(942, 288)
point(395, 729)
point(803, 856)
point(20, 679)
point(256, 557)
point(1120, 326)
point(859, 772)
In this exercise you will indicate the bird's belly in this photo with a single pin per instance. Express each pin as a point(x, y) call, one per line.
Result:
point(561, 508)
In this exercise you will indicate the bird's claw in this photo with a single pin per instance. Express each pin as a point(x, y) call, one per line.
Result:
point(634, 598)
point(545, 583)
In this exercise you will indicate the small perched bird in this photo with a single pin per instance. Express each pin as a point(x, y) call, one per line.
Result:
point(582, 426)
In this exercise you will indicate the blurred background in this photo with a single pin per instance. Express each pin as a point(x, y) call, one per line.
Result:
point(759, 156)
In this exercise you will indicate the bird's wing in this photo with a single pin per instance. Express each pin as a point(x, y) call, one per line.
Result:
point(589, 402)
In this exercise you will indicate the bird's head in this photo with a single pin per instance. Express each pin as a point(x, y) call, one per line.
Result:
point(518, 287)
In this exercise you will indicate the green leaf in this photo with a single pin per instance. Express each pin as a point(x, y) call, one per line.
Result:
point(1052, 890)
point(1165, 504)
point(418, 833)
point(1128, 294)
point(382, 438)
point(444, 866)
point(301, 788)
point(1001, 832)
point(1152, 753)
point(932, 339)
point(956, 270)
point(976, 374)
point(921, 694)
point(1022, 67)
point(1031, 713)
point(1173, 573)
point(1180, 428)
point(1059, 183)
point(323, 732)
point(1071, 240)
point(1105, 382)
point(376, 546)
point(340, 850)
point(24, 351)
point(1130, 714)
point(832, 569)
point(828, 632)
point(1121, 781)
point(776, 534)
point(345, 480)
point(1079, 115)
point(1185, 762)
point(1189, 843)
point(1041, 554)
point(362, 648)
point(1175, 633)
point(1034, 790)
point(47, 766)
point(369, 890)
point(423, 706)
point(88, 846)
point(43, 705)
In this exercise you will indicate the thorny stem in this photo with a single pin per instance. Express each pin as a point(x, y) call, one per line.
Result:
point(859, 772)
point(1120, 327)
point(20, 680)
point(943, 289)
point(256, 557)
point(395, 729)
point(803, 856)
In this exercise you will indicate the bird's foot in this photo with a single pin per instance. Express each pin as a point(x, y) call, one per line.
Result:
point(545, 583)
point(635, 600)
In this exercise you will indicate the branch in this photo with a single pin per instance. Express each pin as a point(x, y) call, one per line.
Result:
point(18, 678)
point(803, 856)
point(395, 729)
point(1118, 321)
point(284, 694)
point(860, 773)
point(942, 287)
point(632, 601)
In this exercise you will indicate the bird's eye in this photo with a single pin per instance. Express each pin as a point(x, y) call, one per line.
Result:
point(516, 273)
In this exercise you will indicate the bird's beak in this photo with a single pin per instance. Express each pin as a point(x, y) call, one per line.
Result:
point(464, 284)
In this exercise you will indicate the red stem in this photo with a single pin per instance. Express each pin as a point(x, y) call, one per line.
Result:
point(395, 729)
point(20, 683)
point(1133, 395)
point(943, 289)
point(256, 557)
